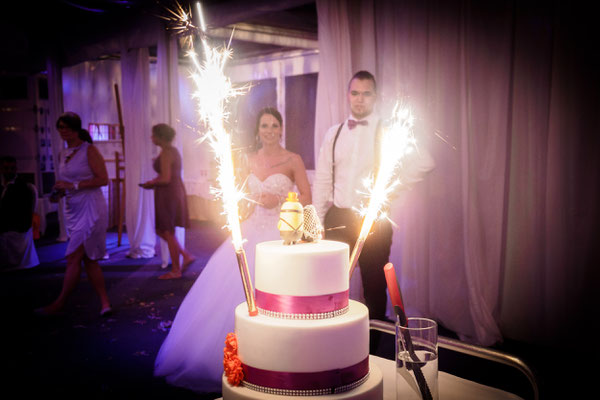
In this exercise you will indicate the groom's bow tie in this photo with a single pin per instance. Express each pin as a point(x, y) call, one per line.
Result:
point(352, 123)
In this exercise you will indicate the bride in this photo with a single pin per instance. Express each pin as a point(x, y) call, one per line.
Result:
point(192, 354)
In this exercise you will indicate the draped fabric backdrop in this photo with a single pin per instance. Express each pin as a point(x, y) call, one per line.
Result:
point(88, 90)
point(135, 102)
point(497, 240)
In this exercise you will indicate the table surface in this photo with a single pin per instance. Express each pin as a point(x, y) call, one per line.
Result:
point(450, 387)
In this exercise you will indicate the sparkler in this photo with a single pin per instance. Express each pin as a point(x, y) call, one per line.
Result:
point(213, 91)
point(397, 141)
point(180, 22)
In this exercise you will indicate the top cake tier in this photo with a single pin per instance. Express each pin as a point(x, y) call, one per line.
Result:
point(302, 279)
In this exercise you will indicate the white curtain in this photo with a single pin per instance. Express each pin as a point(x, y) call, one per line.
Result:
point(335, 66)
point(167, 108)
point(139, 204)
point(386, 39)
point(88, 90)
point(495, 241)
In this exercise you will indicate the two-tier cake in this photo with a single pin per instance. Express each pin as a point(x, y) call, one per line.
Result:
point(309, 339)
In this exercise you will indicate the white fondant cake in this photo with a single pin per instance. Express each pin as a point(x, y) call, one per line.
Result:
point(293, 345)
point(304, 269)
point(309, 338)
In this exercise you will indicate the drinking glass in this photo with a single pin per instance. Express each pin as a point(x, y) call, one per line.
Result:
point(417, 359)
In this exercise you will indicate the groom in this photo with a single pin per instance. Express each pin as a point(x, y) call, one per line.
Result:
point(347, 156)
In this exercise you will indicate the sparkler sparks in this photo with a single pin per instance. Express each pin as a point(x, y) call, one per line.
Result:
point(213, 90)
point(396, 142)
point(180, 22)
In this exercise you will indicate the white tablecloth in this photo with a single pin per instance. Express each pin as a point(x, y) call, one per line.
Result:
point(17, 250)
point(450, 387)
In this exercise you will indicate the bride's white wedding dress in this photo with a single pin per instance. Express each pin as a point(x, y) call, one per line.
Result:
point(192, 354)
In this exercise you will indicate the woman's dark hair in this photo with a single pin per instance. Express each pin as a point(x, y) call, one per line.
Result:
point(267, 110)
point(85, 136)
point(163, 132)
point(73, 122)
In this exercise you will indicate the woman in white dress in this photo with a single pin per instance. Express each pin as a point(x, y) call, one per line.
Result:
point(192, 354)
point(81, 173)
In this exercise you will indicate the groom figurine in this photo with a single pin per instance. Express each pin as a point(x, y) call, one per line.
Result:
point(347, 156)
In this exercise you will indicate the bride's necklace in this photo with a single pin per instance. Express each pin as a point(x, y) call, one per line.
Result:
point(72, 154)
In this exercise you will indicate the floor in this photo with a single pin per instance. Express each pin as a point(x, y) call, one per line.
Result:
point(80, 353)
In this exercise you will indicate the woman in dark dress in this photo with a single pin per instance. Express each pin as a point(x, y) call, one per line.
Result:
point(170, 204)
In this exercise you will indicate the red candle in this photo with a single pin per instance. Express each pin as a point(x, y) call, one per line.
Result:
point(392, 284)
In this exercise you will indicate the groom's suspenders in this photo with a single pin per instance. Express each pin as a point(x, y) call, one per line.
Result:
point(333, 161)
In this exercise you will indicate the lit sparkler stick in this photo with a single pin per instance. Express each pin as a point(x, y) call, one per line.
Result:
point(213, 91)
point(397, 141)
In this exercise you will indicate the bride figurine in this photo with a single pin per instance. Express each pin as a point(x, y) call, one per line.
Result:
point(192, 354)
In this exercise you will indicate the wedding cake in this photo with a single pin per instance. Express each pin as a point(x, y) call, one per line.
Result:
point(308, 338)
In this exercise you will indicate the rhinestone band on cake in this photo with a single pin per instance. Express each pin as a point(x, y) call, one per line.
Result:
point(282, 315)
point(307, 392)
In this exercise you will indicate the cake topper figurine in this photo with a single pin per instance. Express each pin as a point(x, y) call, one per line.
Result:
point(291, 219)
point(313, 230)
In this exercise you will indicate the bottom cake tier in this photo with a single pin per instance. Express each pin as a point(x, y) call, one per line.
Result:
point(370, 389)
point(303, 356)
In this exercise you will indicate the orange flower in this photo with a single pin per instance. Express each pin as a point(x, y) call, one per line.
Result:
point(231, 342)
point(231, 362)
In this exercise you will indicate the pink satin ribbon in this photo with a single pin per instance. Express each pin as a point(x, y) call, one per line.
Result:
point(331, 379)
point(301, 304)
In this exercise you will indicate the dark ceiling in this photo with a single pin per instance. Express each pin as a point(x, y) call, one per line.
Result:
point(32, 31)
